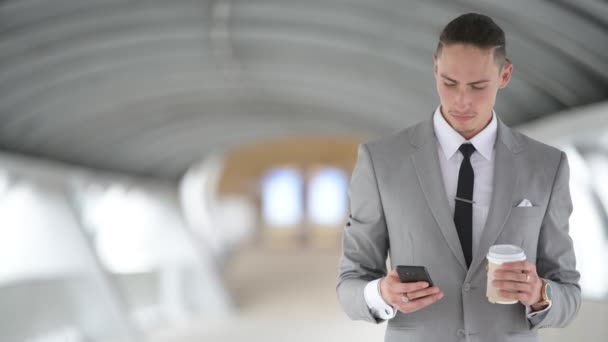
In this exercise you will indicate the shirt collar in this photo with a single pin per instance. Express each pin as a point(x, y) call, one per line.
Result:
point(450, 140)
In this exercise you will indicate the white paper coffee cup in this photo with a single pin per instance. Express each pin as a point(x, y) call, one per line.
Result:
point(498, 255)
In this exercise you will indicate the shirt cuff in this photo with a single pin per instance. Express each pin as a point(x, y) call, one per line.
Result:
point(532, 314)
point(375, 303)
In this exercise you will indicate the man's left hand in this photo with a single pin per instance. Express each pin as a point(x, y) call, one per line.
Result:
point(519, 280)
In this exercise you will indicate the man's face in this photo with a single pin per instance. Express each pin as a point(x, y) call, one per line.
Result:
point(467, 81)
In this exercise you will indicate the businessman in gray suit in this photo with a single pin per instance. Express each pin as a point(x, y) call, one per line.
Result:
point(440, 193)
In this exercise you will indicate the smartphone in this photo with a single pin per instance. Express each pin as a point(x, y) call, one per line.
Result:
point(412, 274)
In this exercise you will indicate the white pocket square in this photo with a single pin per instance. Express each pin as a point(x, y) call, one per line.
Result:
point(525, 203)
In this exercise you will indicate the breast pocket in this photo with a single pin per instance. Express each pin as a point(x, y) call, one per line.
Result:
point(523, 228)
point(517, 212)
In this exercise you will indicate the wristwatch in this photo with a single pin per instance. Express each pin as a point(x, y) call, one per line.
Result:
point(545, 293)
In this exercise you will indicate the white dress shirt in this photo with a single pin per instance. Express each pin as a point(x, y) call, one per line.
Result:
point(450, 158)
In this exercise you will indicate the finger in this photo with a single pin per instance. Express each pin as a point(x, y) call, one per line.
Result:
point(393, 274)
point(392, 279)
point(512, 286)
point(519, 266)
point(513, 265)
point(519, 296)
point(420, 303)
point(511, 275)
point(394, 288)
point(411, 287)
point(423, 293)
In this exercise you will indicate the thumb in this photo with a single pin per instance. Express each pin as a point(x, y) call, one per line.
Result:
point(392, 273)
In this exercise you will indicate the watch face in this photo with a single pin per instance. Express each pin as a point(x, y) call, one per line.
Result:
point(548, 291)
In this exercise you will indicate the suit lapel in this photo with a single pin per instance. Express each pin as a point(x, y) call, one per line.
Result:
point(427, 166)
point(505, 180)
point(428, 170)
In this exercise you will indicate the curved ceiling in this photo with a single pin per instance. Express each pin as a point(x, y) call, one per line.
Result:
point(151, 87)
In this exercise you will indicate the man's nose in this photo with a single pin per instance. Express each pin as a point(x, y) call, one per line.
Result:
point(462, 100)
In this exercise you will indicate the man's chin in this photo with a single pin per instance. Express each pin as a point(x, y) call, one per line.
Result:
point(465, 131)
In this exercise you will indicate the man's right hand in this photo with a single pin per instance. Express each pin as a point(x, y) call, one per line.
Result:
point(420, 295)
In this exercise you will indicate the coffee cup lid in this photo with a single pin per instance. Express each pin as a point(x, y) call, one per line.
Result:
point(505, 253)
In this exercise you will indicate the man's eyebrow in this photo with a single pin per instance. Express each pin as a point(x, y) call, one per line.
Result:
point(471, 83)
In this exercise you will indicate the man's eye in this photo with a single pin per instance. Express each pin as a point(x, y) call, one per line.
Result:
point(449, 84)
point(478, 88)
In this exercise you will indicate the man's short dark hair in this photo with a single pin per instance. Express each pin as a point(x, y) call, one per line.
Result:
point(478, 30)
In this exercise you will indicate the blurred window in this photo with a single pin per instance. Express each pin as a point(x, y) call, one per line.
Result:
point(587, 229)
point(327, 197)
point(282, 197)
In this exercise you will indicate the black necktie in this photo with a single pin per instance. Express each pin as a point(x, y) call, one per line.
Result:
point(463, 211)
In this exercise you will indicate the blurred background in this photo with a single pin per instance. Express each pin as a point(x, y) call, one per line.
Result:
point(178, 170)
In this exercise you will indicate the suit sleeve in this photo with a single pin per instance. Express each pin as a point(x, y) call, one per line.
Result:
point(364, 242)
point(556, 261)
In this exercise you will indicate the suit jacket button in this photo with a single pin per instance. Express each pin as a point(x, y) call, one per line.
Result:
point(467, 287)
point(460, 333)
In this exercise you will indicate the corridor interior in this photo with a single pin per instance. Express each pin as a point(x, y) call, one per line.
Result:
point(289, 295)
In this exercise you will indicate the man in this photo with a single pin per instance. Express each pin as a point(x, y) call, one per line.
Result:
point(440, 193)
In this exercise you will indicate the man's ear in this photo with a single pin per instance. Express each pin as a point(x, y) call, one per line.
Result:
point(505, 74)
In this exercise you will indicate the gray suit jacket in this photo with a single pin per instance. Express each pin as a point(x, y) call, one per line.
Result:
point(399, 209)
